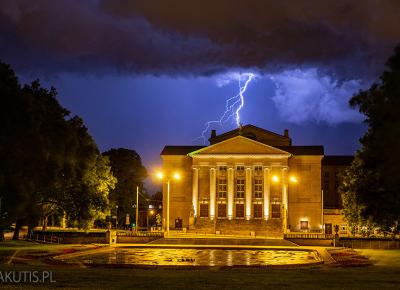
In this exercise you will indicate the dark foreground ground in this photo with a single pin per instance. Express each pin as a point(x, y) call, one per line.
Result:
point(372, 277)
point(384, 274)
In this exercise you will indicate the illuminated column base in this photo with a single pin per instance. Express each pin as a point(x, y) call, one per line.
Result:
point(284, 198)
point(195, 191)
point(213, 182)
point(267, 188)
point(248, 193)
point(230, 193)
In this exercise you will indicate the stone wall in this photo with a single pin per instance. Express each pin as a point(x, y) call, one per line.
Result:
point(305, 196)
point(259, 227)
point(180, 190)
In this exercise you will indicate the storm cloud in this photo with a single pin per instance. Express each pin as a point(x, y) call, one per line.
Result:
point(308, 95)
point(346, 38)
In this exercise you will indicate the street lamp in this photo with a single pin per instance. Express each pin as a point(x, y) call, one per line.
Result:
point(275, 178)
point(293, 179)
point(151, 212)
point(176, 176)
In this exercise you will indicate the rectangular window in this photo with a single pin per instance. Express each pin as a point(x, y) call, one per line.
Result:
point(336, 180)
point(203, 210)
point(222, 171)
point(258, 171)
point(221, 210)
point(328, 229)
point(222, 187)
point(304, 225)
point(258, 188)
point(276, 210)
point(257, 211)
point(239, 210)
point(326, 182)
point(240, 171)
point(239, 188)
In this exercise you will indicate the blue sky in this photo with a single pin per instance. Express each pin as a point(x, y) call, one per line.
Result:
point(145, 113)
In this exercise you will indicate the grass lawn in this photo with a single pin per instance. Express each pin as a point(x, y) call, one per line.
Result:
point(386, 275)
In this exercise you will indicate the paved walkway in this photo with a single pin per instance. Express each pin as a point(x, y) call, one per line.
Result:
point(224, 242)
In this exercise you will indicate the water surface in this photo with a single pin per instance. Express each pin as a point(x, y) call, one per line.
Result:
point(198, 257)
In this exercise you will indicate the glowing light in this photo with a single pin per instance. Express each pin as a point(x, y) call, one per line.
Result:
point(160, 175)
point(176, 176)
point(151, 212)
point(293, 179)
point(233, 106)
point(275, 178)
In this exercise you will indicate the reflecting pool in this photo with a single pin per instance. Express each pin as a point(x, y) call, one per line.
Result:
point(198, 257)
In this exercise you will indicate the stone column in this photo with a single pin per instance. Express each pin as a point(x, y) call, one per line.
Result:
point(248, 193)
point(230, 192)
point(195, 191)
point(284, 198)
point(284, 186)
point(213, 182)
point(267, 190)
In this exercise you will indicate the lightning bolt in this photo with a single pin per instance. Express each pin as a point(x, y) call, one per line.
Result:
point(233, 106)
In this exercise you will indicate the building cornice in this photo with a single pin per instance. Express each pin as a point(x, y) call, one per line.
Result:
point(241, 156)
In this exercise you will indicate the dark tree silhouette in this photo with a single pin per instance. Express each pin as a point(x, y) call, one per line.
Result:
point(127, 167)
point(371, 190)
point(48, 160)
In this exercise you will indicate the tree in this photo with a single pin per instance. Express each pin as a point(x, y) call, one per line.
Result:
point(127, 167)
point(48, 160)
point(371, 189)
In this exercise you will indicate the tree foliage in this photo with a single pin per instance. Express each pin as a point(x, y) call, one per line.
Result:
point(371, 189)
point(48, 160)
point(127, 167)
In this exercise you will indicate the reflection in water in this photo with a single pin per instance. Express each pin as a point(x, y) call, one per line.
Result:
point(229, 259)
point(198, 257)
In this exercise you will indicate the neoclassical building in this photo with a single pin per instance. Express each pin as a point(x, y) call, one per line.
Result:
point(251, 181)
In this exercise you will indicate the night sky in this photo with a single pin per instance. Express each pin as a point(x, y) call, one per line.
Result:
point(143, 74)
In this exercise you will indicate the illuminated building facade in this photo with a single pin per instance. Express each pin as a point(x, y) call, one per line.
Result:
point(247, 181)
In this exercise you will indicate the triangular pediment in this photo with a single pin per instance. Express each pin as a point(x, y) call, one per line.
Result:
point(239, 145)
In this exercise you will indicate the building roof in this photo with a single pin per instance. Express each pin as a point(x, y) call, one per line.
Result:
point(295, 150)
point(303, 150)
point(282, 142)
point(255, 133)
point(179, 150)
point(338, 160)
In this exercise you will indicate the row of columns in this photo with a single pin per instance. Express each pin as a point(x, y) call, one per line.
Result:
point(248, 192)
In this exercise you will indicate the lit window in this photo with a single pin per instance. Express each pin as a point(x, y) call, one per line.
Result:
point(239, 210)
point(239, 188)
point(240, 170)
point(222, 170)
point(304, 225)
point(222, 187)
point(258, 171)
point(258, 188)
point(203, 210)
point(257, 210)
point(222, 210)
point(275, 210)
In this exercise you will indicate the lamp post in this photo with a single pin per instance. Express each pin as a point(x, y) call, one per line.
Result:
point(116, 219)
point(137, 208)
point(151, 212)
point(176, 176)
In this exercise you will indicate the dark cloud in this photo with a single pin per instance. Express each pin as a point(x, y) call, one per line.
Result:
point(349, 38)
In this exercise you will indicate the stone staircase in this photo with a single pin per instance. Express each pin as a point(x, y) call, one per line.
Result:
point(257, 227)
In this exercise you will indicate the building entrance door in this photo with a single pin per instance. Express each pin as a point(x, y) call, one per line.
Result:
point(328, 229)
point(178, 223)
